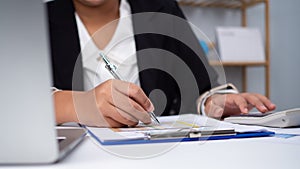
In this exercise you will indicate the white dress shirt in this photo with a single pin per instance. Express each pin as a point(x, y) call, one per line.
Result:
point(121, 51)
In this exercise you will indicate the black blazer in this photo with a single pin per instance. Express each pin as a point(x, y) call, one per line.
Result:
point(178, 68)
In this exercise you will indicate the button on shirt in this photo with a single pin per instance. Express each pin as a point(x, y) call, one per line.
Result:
point(121, 51)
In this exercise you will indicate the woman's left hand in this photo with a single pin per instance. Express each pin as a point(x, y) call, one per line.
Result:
point(222, 105)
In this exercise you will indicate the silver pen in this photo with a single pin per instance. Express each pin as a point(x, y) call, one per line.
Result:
point(113, 71)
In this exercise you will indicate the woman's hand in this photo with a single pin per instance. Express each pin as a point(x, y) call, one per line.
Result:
point(113, 103)
point(222, 105)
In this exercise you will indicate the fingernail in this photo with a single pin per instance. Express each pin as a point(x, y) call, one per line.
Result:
point(245, 111)
point(263, 108)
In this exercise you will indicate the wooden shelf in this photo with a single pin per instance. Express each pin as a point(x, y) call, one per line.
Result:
point(222, 63)
point(232, 4)
point(241, 5)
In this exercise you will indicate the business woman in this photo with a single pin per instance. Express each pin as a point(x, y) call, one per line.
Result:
point(88, 95)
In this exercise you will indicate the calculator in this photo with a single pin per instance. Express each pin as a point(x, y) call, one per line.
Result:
point(285, 118)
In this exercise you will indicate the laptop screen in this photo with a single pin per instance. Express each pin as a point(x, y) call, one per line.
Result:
point(27, 119)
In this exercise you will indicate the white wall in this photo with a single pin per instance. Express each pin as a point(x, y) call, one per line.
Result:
point(285, 37)
point(285, 51)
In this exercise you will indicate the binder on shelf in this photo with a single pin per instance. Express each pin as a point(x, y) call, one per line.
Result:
point(240, 44)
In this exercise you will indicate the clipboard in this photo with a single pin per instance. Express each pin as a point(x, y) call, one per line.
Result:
point(178, 128)
point(181, 136)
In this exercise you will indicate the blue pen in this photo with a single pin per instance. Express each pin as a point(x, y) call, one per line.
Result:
point(113, 71)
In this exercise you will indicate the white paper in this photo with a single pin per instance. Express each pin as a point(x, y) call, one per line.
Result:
point(167, 123)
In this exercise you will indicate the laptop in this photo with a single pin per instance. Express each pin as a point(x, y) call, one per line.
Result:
point(27, 123)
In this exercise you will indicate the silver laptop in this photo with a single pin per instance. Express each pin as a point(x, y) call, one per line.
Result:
point(27, 119)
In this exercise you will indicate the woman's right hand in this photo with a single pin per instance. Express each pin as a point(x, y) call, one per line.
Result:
point(113, 103)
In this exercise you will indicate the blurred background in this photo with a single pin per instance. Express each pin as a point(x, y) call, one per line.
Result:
point(284, 45)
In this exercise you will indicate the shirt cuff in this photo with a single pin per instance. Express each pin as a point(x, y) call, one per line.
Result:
point(54, 90)
point(222, 89)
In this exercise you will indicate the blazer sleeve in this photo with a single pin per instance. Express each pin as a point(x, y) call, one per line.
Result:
point(192, 52)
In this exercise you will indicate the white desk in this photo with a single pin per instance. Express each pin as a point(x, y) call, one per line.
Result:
point(239, 153)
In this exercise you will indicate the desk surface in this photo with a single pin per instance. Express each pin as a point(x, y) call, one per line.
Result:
point(239, 153)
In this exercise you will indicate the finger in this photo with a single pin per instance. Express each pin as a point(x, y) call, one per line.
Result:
point(130, 107)
point(113, 123)
point(136, 93)
point(139, 113)
point(270, 106)
point(255, 101)
point(120, 116)
point(241, 103)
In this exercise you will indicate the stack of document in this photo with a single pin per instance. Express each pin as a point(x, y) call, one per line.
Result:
point(188, 127)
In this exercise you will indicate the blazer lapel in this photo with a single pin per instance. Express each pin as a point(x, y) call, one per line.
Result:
point(145, 59)
point(65, 46)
